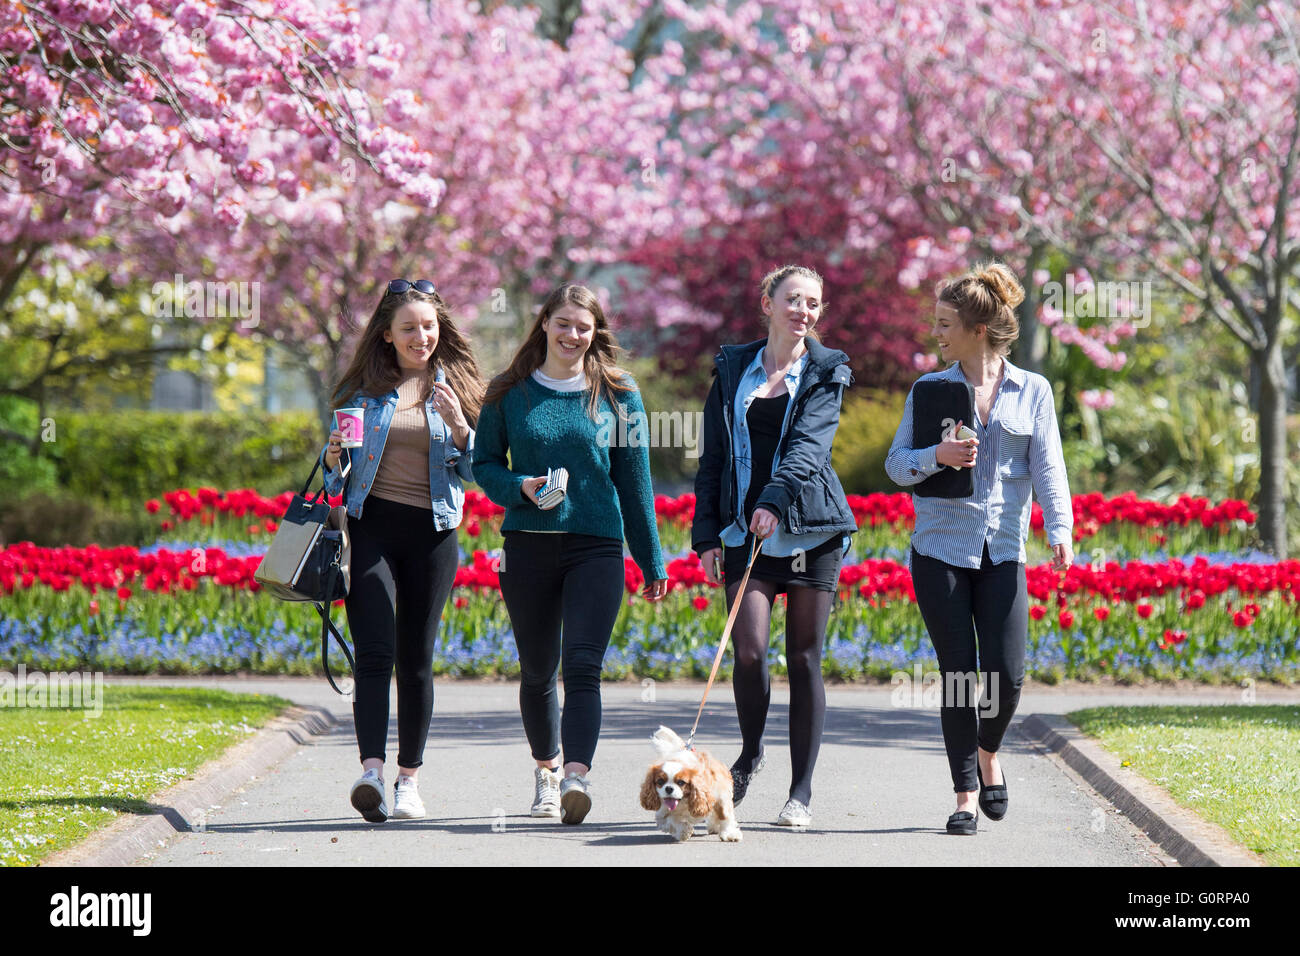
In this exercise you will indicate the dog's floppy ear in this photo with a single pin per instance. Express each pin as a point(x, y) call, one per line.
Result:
point(699, 795)
point(649, 793)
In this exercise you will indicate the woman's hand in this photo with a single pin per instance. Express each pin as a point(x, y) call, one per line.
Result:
point(711, 561)
point(1062, 557)
point(957, 454)
point(447, 405)
point(334, 450)
point(763, 524)
point(530, 486)
point(655, 590)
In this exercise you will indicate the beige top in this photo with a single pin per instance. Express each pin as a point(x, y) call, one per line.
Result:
point(403, 474)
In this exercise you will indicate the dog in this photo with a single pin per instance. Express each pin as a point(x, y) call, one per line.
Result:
point(687, 787)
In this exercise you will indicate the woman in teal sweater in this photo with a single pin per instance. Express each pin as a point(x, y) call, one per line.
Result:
point(558, 405)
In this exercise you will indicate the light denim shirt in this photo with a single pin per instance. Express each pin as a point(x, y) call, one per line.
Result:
point(782, 544)
point(1019, 451)
point(447, 463)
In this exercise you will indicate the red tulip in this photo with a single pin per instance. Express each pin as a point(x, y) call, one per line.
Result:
point(94, 607)
point(701, 603)
point(1242, 619)
point(1037, 612)
point(123, 593)
point(1066, 618)
point(1101, 612)
point(462, 602)
point(1144, 611)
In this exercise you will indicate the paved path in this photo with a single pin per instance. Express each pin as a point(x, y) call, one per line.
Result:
point(881, 789)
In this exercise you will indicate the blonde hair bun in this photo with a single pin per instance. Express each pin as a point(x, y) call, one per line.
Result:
point(1002, 283)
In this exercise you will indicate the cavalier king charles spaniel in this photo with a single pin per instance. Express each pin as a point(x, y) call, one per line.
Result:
point(687, 787)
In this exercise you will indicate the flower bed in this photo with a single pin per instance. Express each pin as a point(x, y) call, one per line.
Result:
point(187, 606)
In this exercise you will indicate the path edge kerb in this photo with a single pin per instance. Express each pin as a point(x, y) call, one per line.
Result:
point(1188, 838)
point(130, 837)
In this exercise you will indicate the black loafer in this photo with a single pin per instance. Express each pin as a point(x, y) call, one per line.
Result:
point(740, 779)
point(993, 799)
point(962, 823)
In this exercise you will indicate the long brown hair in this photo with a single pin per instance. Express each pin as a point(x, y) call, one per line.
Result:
point(598, 364)
point(374, 369)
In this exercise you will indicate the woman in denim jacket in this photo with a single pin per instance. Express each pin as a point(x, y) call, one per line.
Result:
point(415, 377)
point(765, 472)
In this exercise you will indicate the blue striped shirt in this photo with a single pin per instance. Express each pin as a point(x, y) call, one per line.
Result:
point(1020, 447)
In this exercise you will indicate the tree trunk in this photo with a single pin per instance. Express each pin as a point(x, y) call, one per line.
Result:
point(1272, 447)
point(1255, 380)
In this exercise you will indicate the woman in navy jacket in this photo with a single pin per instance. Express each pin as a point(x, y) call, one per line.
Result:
point(415, 376)
point(765, 474)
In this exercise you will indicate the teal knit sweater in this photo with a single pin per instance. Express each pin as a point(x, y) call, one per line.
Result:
point(542, 428)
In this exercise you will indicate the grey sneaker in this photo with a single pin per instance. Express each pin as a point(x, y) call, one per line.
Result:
point(740, 780)
point(368, 797)
point(794, 814)
point(546, 797)
point(406, 800)
point(575, 798)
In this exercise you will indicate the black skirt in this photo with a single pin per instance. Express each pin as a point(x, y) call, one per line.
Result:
point(819, 569)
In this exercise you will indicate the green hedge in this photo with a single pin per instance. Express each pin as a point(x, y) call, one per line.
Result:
point(127, 458)
point(868, 422)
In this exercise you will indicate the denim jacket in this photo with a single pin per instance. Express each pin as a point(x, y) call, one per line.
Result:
point(804, 491)
point(448, 465)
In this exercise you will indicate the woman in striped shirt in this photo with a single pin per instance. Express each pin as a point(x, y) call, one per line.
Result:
point(967, 555)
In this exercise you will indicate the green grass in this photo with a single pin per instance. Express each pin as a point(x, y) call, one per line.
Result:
point(65, 772)
point(1237, 766)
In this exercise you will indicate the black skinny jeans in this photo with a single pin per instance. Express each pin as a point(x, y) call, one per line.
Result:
point(563, 593)
point(994, 600)
point(403, 570)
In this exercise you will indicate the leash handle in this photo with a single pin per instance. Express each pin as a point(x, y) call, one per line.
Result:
point(726, 636)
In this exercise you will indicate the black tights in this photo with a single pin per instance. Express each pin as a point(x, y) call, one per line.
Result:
point(806, 614)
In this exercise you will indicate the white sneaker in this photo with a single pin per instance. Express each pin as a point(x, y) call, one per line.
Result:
point(794, 814)
point(406, 800)
point(575, 798)
point(546, 797)
point(368, 797)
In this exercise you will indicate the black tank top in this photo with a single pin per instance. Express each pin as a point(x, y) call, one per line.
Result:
point(764, 418)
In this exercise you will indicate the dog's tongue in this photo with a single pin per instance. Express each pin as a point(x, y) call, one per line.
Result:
point(670, 803)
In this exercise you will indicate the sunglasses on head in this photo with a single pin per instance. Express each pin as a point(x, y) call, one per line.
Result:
point(398, 286)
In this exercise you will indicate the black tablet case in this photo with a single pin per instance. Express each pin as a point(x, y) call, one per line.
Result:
point(932, 402)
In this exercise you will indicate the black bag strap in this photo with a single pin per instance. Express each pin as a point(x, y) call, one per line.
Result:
point(327, 628)
point(306, 487)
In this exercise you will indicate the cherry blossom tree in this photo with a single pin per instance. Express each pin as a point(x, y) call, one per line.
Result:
point(1139, 141)
point(540, 175)
point(112, 112)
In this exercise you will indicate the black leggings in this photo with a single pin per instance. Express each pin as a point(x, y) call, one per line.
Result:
point(563, 593)
point(403, 570)
point(807, 611)
point(994, 600)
